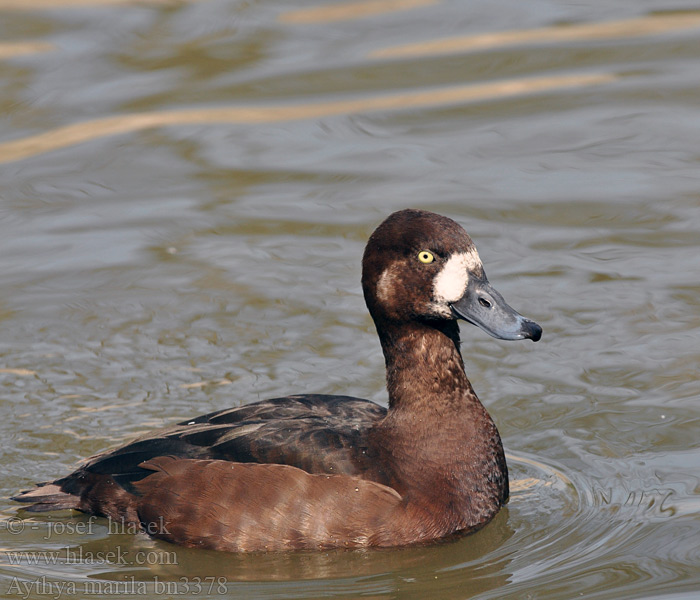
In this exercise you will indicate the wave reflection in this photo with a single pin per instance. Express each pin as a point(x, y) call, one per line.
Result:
point(78, 133)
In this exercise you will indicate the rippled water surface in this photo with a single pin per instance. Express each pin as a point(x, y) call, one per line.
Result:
point(186, 188)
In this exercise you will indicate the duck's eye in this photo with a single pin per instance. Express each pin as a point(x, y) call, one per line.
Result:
point(426, 257)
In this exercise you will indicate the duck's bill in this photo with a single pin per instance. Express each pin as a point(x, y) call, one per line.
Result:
point(484, 307)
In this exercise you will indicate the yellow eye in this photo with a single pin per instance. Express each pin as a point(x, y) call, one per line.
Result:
point(426, 257)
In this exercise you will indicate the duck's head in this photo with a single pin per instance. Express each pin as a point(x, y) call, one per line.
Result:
point(421, 266)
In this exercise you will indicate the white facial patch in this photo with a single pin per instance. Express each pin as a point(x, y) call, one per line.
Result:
point(385, 285)
point(451, 283)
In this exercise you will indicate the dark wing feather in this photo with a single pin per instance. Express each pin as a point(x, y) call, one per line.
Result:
point(316, 433)
point(320, 434)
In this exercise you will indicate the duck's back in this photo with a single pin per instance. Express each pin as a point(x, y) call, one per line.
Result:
point(316, 433)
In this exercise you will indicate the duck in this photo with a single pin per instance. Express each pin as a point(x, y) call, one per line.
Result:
point(316, 472)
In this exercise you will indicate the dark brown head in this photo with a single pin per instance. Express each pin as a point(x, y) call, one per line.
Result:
point(421, 266)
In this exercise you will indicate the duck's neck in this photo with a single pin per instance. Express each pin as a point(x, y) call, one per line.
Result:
point(423, 362)
point(442, 445)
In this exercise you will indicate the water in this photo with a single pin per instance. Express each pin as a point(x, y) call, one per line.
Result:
point(186, 189)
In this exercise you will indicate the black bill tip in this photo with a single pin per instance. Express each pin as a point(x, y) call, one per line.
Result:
point(531, 330)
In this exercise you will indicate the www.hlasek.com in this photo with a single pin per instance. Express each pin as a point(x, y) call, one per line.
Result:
point(79, 556)
point(43, 586)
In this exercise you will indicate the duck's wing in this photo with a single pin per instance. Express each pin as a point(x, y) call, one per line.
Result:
point(316, 433)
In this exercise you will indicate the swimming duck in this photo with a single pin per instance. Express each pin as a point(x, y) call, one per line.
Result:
point(315, 471)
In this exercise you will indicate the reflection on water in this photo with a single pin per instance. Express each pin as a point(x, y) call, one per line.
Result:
point(82, 132)
point(627, 28)
point(186, 191)
point(9, 49)
point(58, 4)
point(344, 11)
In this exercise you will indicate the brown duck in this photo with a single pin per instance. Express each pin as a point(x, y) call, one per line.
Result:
point(317, 472)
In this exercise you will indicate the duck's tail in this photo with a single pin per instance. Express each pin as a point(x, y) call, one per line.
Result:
point(46, 497)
